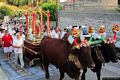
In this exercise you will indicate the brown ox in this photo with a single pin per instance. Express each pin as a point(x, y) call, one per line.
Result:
point(108, 53)
point(56, 52)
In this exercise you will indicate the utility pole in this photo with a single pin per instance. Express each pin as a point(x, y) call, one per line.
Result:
point(56, 13)
point(73, 4)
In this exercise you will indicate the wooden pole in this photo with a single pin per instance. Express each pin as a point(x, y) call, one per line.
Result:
point(48, 21)
point(41, 23)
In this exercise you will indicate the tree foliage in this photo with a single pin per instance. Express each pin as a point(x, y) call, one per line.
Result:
point(51, 6)
point(3, 0)
point(118, 8)
point(16, 2)
point(5, 11)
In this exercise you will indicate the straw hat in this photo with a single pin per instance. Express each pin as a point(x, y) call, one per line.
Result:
point(91, 29)
point(102, 29)
point(115, 27)
point(74, 30)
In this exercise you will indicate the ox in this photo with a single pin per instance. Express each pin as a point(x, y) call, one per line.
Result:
point(56, 52)
point(103, 53)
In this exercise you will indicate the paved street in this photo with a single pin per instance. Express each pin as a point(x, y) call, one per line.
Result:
point(8, 72)
point(3, 75)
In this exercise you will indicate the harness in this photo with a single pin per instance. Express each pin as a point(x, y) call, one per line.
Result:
point(98, 52)
point(96, 44)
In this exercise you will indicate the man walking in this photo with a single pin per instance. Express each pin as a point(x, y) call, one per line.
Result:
point(7, 45)
point(18, 49)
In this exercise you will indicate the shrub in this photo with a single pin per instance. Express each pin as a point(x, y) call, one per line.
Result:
point(10, 2)
point(16, 2)
point(10, 10)
point(5, 10)
point(3, 0)
point(118, 8)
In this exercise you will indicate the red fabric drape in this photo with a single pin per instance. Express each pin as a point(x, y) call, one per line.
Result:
point(115, 36)
point(33, 22)
point(27, 22)
point(37, 30)
point(75, 42)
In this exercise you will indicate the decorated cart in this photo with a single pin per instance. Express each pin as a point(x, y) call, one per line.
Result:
point(34, 33)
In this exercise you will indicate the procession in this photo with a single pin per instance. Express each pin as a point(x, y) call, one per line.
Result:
point(34, 49)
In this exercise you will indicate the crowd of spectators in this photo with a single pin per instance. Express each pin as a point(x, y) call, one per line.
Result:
point(12, 36)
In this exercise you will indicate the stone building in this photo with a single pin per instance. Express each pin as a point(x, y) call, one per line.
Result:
point(73, 4)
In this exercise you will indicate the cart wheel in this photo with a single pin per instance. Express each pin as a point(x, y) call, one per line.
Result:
point(31, 63)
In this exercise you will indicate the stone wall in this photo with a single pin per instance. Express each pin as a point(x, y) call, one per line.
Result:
point(109, 2)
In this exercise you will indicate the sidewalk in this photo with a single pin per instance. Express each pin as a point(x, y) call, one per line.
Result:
point(3, 75)
point(9, 72)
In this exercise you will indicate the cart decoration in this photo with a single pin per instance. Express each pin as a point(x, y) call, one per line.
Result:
point(34, 32)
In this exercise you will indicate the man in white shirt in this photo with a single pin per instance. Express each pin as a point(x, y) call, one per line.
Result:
point(18, 49)
point(54, 34)
point(22, 35)
point(63, 33)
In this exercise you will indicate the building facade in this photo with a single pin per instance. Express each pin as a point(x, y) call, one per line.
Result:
point(78, 4)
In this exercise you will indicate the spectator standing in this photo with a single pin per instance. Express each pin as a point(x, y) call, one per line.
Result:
point(54, 33)
point(18, 49)
point(1, 35)
point(45, 33)
point(63, 33)
point(22, 35)
point(7, 45)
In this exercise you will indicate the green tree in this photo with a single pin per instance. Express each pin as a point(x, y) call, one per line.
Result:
point(4, 11)
point(3, 0)
point(52, 8)
point(10, 2)
point(26, 2)
point(16, 2)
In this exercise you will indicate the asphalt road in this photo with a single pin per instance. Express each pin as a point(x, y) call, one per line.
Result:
point(109, 70)
point(9, 72)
